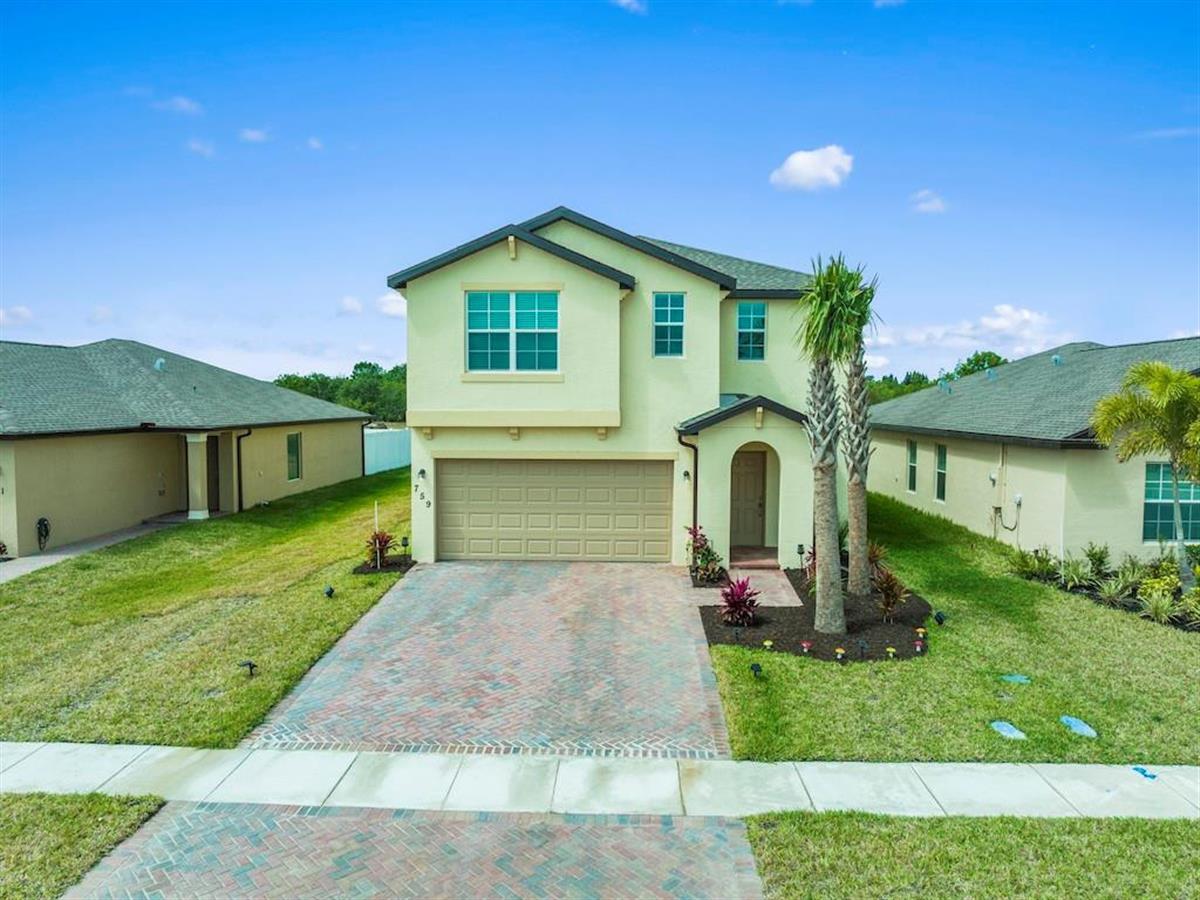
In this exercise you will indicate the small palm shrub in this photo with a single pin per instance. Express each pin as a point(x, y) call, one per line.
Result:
point(891, 593)
point(1098, 560)
point(1158, 606)
point(378, 545)
point(706, 561)
point(739, 602)
point(1075, 574)
point(1132, 570)
point(1112, 591)
point(1045, 565)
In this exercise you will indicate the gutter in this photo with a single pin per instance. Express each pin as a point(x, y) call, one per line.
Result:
point(238, 445)
point(695, 477)
point(1069, 443)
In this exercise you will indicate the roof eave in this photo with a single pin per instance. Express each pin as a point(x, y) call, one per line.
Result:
point(695, 426)
point(403, 277)
point(723, 280)
point(1070, 442)
point(767, 293)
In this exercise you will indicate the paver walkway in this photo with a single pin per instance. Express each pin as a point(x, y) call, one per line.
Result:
point(598, 786)
point(515, 657)
point(23, 565)
point(279, 851)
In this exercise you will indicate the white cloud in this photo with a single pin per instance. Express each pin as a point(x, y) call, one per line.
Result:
point(639, 7)
point(178, 104)
point(812, 170)
point(15, 316)
point(1167, 134)
point(1011, 331)
point(350, 306)
point(927, 201)
point(100, 314)
point(253, 135)
point(202, 148)
point(881, 4)
point(314, 143)
point(392, 304)
point(876, 363)
point(1183, 333)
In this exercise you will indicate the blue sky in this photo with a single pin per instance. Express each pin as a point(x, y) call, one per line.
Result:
point(235, 181)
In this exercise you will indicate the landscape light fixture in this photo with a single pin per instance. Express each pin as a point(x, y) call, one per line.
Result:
point(756, 669)
point(250, 666)
point(840, 654)
point(939, 617)
point(891, 652)
point(806, 646)
point(919, 646)
point(921, 634)
point(329, 590)
point(863, 647)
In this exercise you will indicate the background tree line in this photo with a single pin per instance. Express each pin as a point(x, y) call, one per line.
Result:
point(890, 386)
point(369, 387)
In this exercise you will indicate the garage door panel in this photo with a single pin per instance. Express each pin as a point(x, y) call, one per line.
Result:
point(554, 509)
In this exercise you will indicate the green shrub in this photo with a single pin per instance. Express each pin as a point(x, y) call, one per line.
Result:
point(1159, 584)
point(1132, 570)
point(1075, 574)
point(1158, 607)
point(1098, 559)
point(1112, 591)
point(1189, 609)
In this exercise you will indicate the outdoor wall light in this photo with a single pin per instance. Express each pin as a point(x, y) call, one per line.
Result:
point(687, 476)
point(420, 473)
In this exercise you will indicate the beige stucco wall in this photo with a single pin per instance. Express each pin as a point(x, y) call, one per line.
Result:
point(89, 485)
point(783, 374)
point(8, 497)
point(330, 452)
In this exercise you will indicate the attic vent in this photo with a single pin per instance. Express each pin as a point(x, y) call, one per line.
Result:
point(160, 364)
point(1056, 360)
point(990, 374)
point(944, 386)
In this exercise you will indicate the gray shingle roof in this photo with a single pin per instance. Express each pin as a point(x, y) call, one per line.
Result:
point(1032, 399)
point(113, 385)
point(750, 275)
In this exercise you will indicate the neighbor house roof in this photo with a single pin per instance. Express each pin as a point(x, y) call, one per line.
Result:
point(734, 405)
point(1044, 399)
point(741, 277)
point(118, 385)
point(403, 277)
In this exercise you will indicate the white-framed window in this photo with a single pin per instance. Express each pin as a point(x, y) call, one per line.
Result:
point(295, 469)
point(940, 476)
point(752, 330)
point(912, 467)
point(1158, 508)
point(668, 324)
point(512, 331)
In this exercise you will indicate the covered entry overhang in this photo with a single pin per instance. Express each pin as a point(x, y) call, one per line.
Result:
point(753, 478)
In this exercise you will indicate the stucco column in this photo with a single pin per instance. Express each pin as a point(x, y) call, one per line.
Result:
point(197, 474)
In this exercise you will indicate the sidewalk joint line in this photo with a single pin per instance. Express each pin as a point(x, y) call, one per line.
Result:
point(345, 771)
point(132, 760)
point(912, 768)
point(229, 774)
point(1049, 784)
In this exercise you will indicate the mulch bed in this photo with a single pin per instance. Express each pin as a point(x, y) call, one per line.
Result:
point(787, 626)
point(722, 580)
point(399, 564)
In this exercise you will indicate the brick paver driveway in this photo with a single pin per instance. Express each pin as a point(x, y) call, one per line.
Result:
point(221, 850)
point(575, 658)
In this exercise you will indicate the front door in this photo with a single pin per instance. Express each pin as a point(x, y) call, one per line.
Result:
point(214, 473)
point(748, 488)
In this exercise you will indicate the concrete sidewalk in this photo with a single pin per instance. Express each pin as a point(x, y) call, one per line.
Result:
point(520, 783)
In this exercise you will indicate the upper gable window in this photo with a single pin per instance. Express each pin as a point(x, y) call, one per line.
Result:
point(668, 324)
point(512, 331)
point(752, 330)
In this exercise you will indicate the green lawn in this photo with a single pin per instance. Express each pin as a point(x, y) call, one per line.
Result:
point(1132, 680)
point(48, 842)
point(859, 855)
point(140, 642)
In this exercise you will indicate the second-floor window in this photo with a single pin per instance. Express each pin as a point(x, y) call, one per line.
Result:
point(668, 324)
point(752, 330)
point(512, 331)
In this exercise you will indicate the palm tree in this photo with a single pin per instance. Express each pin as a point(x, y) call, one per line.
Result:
point(1156, 411)
point(827, 339)
point(856, 438)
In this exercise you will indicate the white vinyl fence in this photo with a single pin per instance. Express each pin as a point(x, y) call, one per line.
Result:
point(386, 449)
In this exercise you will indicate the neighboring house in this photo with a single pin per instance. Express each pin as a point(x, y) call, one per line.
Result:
point(576, 392)
point(103, 436)
point(1010, 453)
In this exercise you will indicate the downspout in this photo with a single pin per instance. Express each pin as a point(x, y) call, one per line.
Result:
point(695, 477)
point(249, 431)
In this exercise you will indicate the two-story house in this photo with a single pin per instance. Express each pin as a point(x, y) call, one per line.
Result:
point(576, 392)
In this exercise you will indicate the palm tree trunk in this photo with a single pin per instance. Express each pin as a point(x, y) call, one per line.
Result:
point(1186, 577)
point(830, 612)
point(857, 449)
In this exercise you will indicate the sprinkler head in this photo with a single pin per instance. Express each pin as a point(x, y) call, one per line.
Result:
point(328, 590)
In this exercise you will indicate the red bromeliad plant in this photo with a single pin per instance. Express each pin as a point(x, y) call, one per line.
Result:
point(738, 602)
point(378, 545)
point(890, 591)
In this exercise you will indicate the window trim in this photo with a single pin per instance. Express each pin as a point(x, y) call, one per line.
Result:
point(910, 466)
point(1192, 502)
point(299, 436)
point(738, 331)
point(654, 323)
point(941, 456)
point(512, 331)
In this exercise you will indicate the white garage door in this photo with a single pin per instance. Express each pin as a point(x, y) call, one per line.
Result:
point(554, 509)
